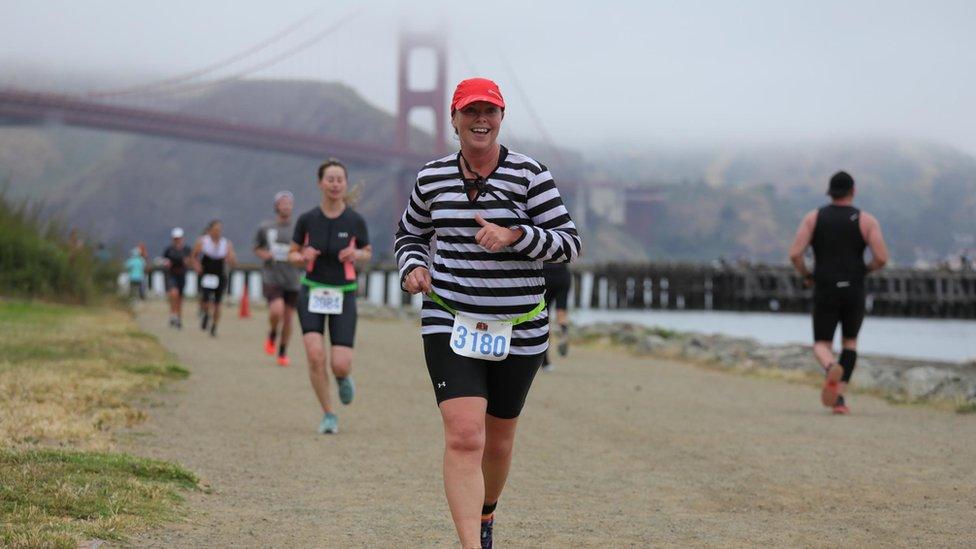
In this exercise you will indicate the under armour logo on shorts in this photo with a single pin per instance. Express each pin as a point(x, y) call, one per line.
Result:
point(442, 384)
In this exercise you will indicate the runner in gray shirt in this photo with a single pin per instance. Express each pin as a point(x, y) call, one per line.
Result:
point(280, 278)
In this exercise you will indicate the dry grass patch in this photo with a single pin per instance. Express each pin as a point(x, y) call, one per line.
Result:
point(68, 376)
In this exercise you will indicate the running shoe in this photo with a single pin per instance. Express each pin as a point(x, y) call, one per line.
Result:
point(269, 347)
point(831, 386)
point(346, 389)
point(213, 330)
point(840, 407)
point(283, 360)
point(563, 347)
point(329, 424)
point(486, 528)
point(179, 324)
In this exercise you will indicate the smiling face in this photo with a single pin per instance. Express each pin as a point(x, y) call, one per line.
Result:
point(333, 183)
point(477, 125)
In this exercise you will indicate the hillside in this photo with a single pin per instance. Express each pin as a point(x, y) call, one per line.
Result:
point(731, 201)
point(746, 201)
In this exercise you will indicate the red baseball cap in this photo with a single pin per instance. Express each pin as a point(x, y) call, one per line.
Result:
point(476, 89)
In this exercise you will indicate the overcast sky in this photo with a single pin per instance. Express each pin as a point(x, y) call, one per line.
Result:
point(601, 73)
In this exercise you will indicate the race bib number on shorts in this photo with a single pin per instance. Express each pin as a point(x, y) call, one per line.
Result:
point(210, 281)
point(325, 301)
point(484, 339)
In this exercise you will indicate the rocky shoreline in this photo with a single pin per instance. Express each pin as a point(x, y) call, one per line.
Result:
point(897, 379)
point(901, 380)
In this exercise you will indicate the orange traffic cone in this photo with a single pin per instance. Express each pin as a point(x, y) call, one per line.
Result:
point(245, 311)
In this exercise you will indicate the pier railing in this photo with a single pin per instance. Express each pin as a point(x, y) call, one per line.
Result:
point(676, 286)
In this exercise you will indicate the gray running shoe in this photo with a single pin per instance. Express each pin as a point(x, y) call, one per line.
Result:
point(347, 391)
point(329, 424)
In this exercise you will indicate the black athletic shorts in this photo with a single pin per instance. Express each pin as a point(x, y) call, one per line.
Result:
point(504, 384)
point(215, 295)
point(342, 328)
point(557, 288)
point(177, 281)
point(274, 291)
point(837, 305)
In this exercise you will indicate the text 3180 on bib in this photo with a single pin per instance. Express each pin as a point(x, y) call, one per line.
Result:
point(325, 301)
point(210, 281)
point(484, 339)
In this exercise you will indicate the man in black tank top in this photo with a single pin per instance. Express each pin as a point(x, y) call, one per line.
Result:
point(838, 234)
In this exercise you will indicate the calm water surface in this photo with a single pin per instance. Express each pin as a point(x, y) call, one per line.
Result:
point(952, 340)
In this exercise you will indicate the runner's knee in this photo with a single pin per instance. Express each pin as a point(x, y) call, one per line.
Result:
point(464, 435)
point(341, 360)
point(499, 447)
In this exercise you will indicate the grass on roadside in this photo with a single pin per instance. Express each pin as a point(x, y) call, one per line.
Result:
point(69, 376)
point(49, 497)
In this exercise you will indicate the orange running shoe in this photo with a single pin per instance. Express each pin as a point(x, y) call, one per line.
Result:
point(283, 360)
point(269, 347)
point(831, 386)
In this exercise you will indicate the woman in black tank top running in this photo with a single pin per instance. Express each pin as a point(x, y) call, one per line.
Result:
point(214, 254)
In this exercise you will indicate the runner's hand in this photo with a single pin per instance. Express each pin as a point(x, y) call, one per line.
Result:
point(494, 237)
point(348, 254)
point(417, 281)
point(310, 254)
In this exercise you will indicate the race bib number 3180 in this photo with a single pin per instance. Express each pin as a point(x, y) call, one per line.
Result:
point(484, 339)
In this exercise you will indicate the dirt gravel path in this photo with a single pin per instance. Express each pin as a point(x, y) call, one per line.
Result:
point(613, 451)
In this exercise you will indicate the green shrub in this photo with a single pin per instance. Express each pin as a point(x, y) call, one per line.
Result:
point(37, 259)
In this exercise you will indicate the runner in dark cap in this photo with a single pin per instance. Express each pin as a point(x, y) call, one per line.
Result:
point(838, 234)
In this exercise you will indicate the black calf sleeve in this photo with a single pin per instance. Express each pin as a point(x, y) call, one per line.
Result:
point(488, 508)
point(847, 360)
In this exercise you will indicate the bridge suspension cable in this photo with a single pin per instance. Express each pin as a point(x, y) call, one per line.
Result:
point(267, 63)
point(191, 75)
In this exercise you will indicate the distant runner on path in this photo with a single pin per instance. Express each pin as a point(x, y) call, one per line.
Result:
point(497, 216)
point(177, 259)
point(135, 265)
point(280, 278)
point(558, 281)
point(328, 241)
point(214, 255)
point(838, 234)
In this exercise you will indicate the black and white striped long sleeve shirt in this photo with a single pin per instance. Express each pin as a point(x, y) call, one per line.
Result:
point(482, 284)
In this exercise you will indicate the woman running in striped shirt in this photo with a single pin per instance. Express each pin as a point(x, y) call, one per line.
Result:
point(495, 216)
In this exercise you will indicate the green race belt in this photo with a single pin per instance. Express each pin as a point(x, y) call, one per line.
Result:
point(515, 321)
point(351, 287)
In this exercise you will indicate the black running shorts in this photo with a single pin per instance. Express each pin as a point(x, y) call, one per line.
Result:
point(837, 305)
point(176, 281)
point(557, 288)
point(215, 295)
point(274, 291)
point(342, 327)
point(504, 384)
